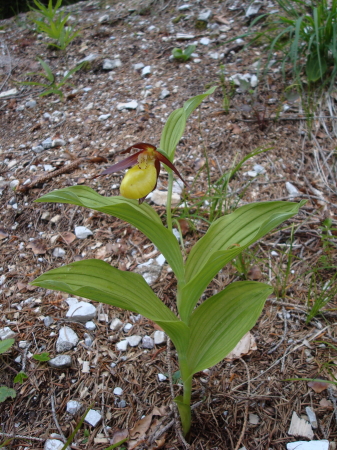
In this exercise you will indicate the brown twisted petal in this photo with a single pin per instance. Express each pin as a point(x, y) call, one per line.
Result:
point(125, 164)
point(139, 146)
point(168, 163)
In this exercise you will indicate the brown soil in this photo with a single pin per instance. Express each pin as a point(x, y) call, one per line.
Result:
point(261, 382)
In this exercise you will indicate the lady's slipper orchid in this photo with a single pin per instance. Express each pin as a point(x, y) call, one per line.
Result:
point(142, 178)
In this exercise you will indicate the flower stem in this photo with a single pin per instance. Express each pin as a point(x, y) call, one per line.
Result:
point(169, 199)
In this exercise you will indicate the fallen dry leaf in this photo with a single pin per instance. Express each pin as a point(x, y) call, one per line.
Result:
point(38, 246)
point(325, 403)
point(21, 286)
point(101, 253)
point(3, 234)
point(244, 347)
point(184, 226)
point(138, 432)
point(255, 273)
point(221, 19)
point(318, 386)
point(67, 237)
point(119, 436)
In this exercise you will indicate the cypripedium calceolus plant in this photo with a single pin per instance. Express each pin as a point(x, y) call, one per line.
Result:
point(142, 178)
point(203, 335)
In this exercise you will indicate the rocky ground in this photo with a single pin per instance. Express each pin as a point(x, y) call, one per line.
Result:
point(109, 360)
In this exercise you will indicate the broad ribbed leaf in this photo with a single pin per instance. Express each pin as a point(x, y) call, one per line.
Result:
point(175, 125)
point(172, 132)
point(219, 323)
point(97, 280)
point(193, 103)
point(225, 239)
point(316, 67)
point(141, 216)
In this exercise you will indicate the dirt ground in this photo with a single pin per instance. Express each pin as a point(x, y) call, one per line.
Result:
point(247, 402)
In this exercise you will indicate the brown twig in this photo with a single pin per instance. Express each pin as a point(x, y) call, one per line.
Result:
point(244, 426)
point(70, 167)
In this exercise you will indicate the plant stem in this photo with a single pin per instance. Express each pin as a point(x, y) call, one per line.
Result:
point(169, 199)
point(186, 418)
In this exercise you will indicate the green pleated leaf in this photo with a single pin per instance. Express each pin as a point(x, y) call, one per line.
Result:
point(97, 280)
point(193, 103)
point(172, 132)
point(219, 323)
point(225, 239)
point(141, 216)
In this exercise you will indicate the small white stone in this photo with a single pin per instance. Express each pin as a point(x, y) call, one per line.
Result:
point(292, 190)
point(147, 342)
point(205, 15)
point(90, 58)
point(259, 169)
point(47, 143)
point(58, 142)
point(104, 117)
point(205, 41)
point(93, 417)
point(13, 184)
point(53, 444)
point(60, 362)
point(308, 445)
point(127, 327)
point(254, 419)
point(160, 260)
point(6, 333)
point(38, 149)
point(133, 341)
point(22, 344)
point(146, 71)
point(5, 94)
point(82, 232)
point(161, 377)
point(90, 326)
point(104, 18)
point(110, 64)
point(130, 105)
point(118, 391)
point(254, 81)
point(122, 345)
point(67, 339)
point(159, 337)
point(138, 66)
point(312, 417)
point(184, 7)
point(164, 93)
point(160, 198)
point(59, 252)
point(73, 407)
point(30, 104)
point(81, 311)
point(116, 324)
point(214, 55)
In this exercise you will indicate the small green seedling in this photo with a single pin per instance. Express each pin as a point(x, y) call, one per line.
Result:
point(6, 392)
point(50, 86)
point(42, 357)
point(183, 55)
point(53, 24)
